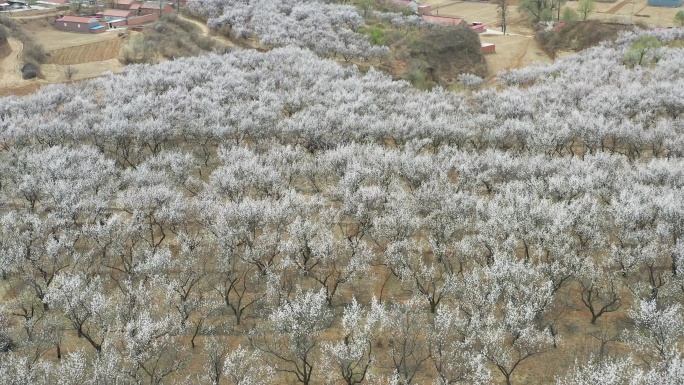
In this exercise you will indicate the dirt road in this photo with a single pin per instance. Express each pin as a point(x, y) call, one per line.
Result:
point(207, 33)
point(618, 6)
point(10, 74)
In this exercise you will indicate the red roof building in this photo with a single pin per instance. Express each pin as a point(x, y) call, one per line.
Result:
point(488, 48)
point(558, 26)
point(445, 20)
point(479, 28)
point(125, 4)
point(423, 9)
point(111, 14)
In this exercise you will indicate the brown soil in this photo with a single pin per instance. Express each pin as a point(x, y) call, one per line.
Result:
point(56, 73)
point(5, 49)
point(20, 90)
point(90, 52)
point(512, 51)
point(618, 6)
point(398, 67)
point(10, 74)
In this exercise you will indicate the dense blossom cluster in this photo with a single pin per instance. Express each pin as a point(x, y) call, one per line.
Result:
point(272, 217)
point(329, 30)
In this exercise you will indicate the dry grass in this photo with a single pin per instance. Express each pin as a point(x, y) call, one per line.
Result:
point(170, 37)
point(5, 48)
point(431, 57)
point(579, 35)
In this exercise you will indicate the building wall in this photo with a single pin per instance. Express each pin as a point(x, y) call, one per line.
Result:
point(131, 21)
point(445, 20)
point(482, 28)
point(115, 24)
point(665, 3)
point(423, 9)
point(71, 26)
point(165, 11)
point(143, 19)
point(123, 6)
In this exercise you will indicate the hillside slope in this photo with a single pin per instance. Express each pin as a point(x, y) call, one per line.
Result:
point(277, 217)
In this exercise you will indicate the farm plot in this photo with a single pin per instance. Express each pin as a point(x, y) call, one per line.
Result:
point(91, 52)
point(71, 56)
point(513, 51)
point(42, 31)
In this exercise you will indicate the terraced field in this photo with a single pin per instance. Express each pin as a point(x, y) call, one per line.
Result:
point(98, 51)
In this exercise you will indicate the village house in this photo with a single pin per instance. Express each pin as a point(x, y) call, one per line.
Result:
point(446, 20)
point(478, 27)
point(117, 14)
point(424, 9)
point(116, 17)
point(488, 48)
point(17, 4)
point(54, 2)
point(85, 24)
point(158, 7)
point(126, 4)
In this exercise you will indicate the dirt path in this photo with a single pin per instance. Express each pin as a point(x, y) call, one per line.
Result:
point(10, 74)
point(518, 61)
point(206, 32)
point(619, 6)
